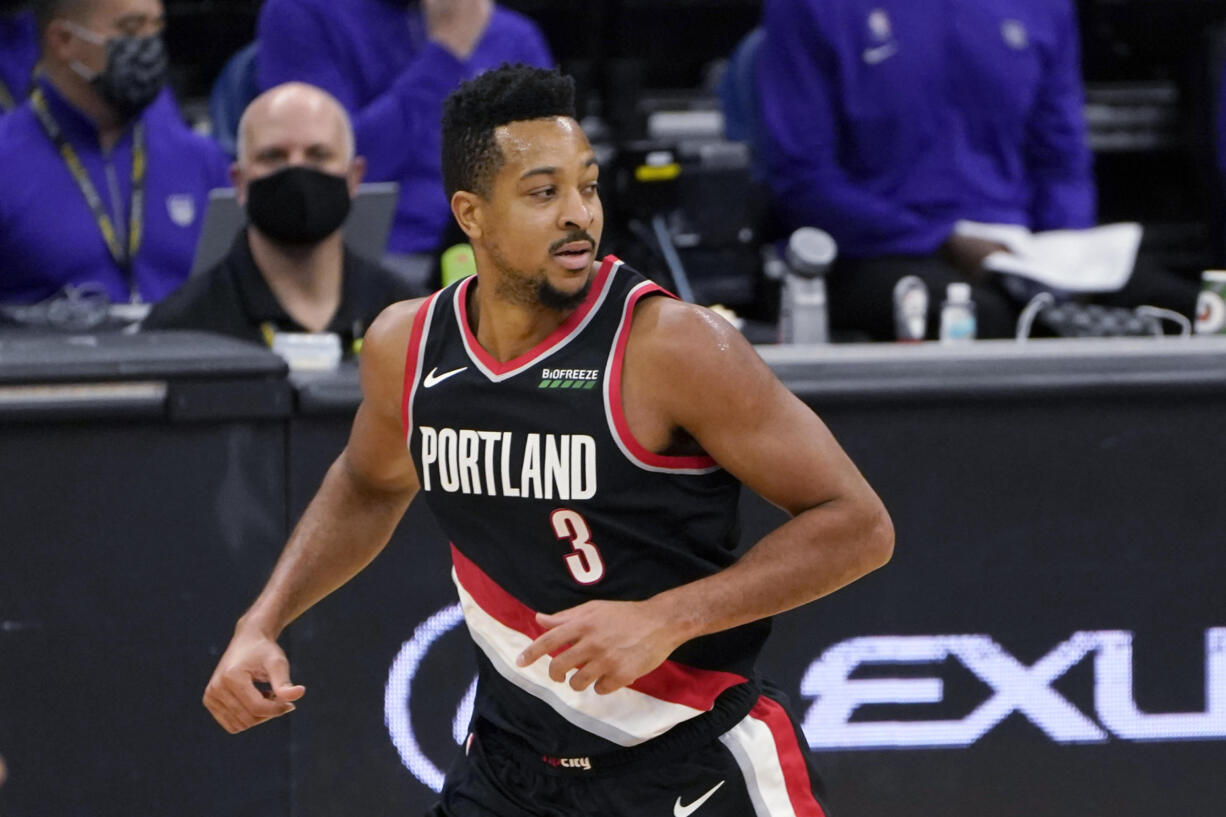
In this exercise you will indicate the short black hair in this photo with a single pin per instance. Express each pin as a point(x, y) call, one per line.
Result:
point(509, 93)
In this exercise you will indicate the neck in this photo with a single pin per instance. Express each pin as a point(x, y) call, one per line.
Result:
point(507, 330)
point(81, 95)
point(306, 281)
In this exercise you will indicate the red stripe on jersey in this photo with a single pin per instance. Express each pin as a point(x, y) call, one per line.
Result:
point(671, 681)
point(411, 358)
point(791, 759)
point(616, 409)
point(552, 339)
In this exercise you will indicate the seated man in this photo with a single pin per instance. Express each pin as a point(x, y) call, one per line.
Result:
point(888, 122)
point(289, 271)
point(102, 188)
point(391, 63)
point(18, 52)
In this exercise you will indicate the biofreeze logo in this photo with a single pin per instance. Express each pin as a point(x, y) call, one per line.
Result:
point(1015, 687)
point(502, 463)
point(569, 378)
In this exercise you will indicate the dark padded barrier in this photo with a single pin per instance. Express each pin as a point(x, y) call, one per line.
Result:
point(1049, 638)
point(142, 498)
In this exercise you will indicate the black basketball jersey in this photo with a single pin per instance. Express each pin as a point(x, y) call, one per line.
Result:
point(548, 500)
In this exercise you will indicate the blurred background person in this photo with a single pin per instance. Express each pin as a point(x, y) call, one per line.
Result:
point(391, 63)
point(102, 188)
point(886, 122)
point(18, 52)
point(289, 271)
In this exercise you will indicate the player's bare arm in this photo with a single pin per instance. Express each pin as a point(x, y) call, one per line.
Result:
point(351, 518)
point(691, 378)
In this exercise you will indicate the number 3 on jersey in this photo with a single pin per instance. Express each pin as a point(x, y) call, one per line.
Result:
point(585, 563)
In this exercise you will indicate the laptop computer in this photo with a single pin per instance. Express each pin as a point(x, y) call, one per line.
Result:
point(366, 228)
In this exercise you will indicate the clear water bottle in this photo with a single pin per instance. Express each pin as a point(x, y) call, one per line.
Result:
point(802, 306)
point(958, 324)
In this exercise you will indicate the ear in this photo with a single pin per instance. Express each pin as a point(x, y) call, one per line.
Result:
point(59, 42)
point(240, 184)
point(468, 209)
point(357, 172)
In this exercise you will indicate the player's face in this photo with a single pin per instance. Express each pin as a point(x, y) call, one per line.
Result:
point(543, 218)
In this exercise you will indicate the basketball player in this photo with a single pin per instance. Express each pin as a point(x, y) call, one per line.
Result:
point(579, 436)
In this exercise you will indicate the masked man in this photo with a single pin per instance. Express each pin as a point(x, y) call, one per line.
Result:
point(289, 271)
point(104, 185)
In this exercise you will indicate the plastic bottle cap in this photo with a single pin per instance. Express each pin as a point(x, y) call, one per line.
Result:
point(811, 251)
point(958, 292)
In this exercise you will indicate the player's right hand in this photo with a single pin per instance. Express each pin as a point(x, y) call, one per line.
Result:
point(251, 684)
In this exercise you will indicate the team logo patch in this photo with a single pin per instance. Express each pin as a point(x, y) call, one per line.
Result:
point(182, 209)
point(879, 25)
point(1015, 34)
point(569, 378)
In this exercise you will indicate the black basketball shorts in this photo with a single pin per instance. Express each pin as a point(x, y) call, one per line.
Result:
point(759, 768)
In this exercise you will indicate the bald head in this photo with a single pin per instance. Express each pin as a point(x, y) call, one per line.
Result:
point(295, 123)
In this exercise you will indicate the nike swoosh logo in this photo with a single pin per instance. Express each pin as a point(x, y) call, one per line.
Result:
point(880, 54)
point(685, 811)
point(433, 379)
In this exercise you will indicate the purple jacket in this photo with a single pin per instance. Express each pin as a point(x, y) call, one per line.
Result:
point(888, 120)
point(49, 237)
point(374, 56)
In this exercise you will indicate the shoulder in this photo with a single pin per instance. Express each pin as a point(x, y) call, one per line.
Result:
point(384, 353)
point(195, 305)
point(670, 329)
point(373, 277)
point(678, 348)
point(386, 342)
point(18, 129)
point(186, 152)
point(693, 369)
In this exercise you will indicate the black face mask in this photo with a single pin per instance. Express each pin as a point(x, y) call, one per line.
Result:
point(298, 205)
point(134, 75)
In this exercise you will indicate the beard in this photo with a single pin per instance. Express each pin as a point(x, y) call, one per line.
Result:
point(519, 288)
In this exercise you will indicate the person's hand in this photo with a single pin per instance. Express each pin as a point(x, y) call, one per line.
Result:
point(609, 643)
point(251, 684)
point(457, 25)
point(967, 253)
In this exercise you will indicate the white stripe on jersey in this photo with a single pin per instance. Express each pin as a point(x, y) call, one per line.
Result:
point(626, 717)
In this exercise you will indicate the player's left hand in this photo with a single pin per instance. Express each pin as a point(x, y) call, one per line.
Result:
point(607, 643)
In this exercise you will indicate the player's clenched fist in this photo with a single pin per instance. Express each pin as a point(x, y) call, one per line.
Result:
point(251, 684)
